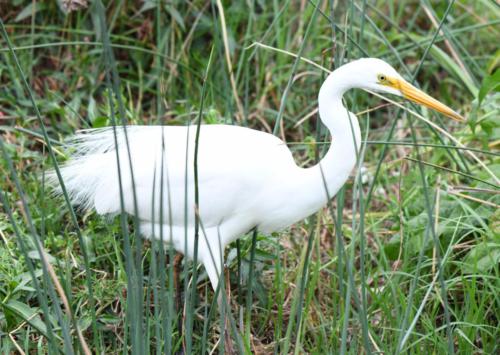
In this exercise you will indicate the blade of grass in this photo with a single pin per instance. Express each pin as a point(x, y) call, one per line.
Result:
point(293, 71)
point(192, 294)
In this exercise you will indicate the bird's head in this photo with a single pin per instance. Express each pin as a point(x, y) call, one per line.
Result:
point(379, 76)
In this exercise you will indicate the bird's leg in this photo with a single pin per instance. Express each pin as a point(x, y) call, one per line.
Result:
point(213, 267)
point(228, 288)
point(178, 299)
point(228, 342)
point(224, 303)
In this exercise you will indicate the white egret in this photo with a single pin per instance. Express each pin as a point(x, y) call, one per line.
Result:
point(247, 178)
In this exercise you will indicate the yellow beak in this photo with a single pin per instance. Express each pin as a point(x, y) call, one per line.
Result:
point(412, 93)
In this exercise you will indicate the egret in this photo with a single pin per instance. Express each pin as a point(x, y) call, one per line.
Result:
point(246, 178)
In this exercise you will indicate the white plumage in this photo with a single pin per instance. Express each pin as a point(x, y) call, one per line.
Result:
point(247, 178)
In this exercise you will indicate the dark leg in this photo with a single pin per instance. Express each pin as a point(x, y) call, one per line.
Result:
point(177, 284)
point(228, 342)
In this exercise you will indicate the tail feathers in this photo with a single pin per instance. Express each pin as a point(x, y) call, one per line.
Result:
point(89, 176)
point(99, 140)
point(81, 177)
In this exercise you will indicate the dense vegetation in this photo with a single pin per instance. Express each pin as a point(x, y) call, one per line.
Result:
point(405, 259)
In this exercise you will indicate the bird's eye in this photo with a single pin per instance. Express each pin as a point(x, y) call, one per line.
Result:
point(382, 78)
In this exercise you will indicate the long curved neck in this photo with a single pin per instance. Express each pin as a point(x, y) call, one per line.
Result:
point(322, 181)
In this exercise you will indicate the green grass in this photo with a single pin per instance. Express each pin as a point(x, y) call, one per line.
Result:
point(405, 258)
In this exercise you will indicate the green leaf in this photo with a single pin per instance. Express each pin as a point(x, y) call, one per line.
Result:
point(176, 16)
point(27, 314)
point(92, 112)
point(100, 121)
point(482, 257)
point(494, 61)
point(147, 5)
point(491, 82)
point(29, 11)
point(391, 247)
point(447, 62)
point(24, 279)
point(33, 254)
